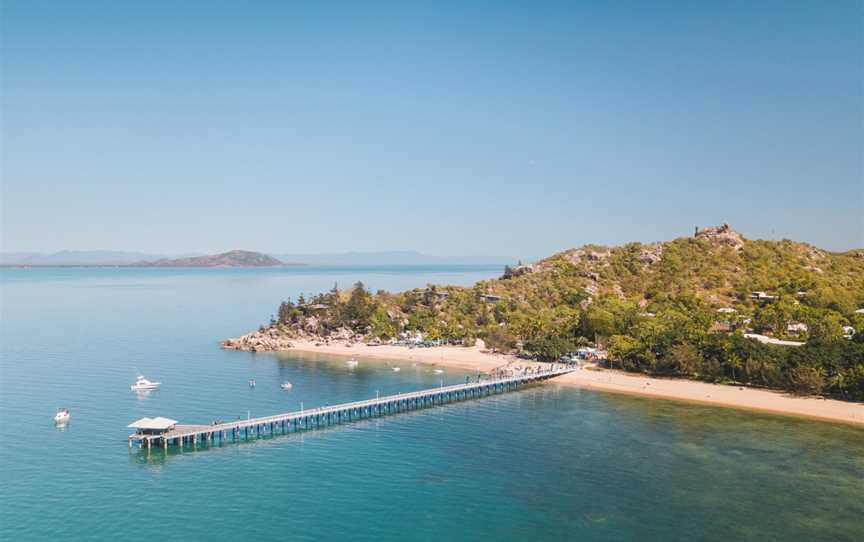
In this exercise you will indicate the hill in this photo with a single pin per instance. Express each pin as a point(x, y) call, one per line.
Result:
point(234, 258)
point(685, 307)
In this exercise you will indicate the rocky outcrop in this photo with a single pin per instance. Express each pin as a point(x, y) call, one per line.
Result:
point(722, 234)
point(264, 340)
point(518, 271)
point(651, 254)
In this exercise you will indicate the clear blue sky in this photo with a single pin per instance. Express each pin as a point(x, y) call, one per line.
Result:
point(511, 128)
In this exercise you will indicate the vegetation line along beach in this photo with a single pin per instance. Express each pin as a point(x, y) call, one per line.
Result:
point(715, 318)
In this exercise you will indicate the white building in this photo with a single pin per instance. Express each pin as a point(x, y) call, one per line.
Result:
point(153, 426)
point(797, 327)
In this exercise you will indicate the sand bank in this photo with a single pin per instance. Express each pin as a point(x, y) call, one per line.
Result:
point(613, 381)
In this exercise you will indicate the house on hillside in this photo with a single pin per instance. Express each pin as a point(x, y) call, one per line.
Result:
point(848, 332)
point(797, 328)
point(489, 298)
point(760, 295)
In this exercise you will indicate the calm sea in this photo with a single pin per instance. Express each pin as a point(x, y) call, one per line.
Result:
point(546, 463)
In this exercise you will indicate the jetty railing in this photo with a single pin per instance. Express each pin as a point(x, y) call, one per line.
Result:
point(306, 419)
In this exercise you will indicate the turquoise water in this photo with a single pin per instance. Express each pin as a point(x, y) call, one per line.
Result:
point(546, 463)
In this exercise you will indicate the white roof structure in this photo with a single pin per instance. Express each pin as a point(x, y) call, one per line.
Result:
point(859, 311)
point(158, 423)
point(727, 310)
point(771, 340)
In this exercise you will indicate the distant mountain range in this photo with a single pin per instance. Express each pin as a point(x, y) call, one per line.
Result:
point(237, 258)
point(78, 257)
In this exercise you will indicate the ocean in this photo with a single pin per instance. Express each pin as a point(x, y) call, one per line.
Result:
point(545, 463)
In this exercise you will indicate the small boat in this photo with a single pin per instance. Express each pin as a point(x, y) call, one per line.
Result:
point(286, 386)
point(352, 363)
point(439, 371)
point(62, 415)
point(396, 369)
point(142, 384)
point(252, 383)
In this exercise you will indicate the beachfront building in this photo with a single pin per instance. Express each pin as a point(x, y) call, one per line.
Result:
point(153, 426)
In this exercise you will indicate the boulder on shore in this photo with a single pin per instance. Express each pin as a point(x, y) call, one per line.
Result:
point(265, 340)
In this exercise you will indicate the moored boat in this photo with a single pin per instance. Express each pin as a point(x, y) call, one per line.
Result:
point(63, 415)
point(142, 384)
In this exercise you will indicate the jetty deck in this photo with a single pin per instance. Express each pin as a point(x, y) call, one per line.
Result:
point(301, 420)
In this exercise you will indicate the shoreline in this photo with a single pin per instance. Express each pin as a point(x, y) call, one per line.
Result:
point(721, 395)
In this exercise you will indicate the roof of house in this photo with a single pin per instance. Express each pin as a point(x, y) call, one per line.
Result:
point(771, 340)
point(153, 423)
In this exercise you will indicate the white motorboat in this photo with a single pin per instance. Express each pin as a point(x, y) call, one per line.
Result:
point(439, 371)
point(286, 386)
point(396, 369)
point(352, 363)
point(142, 384)
point(62, 415)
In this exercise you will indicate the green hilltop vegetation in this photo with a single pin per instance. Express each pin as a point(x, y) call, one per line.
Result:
point(679, 308)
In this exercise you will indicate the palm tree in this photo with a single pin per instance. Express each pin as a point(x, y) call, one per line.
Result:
point(734, 362)
point(841, 382)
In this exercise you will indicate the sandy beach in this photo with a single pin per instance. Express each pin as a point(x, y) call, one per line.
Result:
point(612, 381)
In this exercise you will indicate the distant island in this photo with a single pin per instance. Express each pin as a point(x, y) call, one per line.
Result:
point(714, 307)
point(114, 258)
point(233, 258)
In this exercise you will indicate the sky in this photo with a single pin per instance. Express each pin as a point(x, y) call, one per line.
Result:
point(452, 128)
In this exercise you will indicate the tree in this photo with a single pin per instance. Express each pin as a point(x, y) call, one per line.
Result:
point(734, 363)
point(499, 338)
point(684, 359)
point(550, 348)
point(805, 380)
point(359, 308)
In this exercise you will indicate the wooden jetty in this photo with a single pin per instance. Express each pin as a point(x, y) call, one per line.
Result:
point(164, 432)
